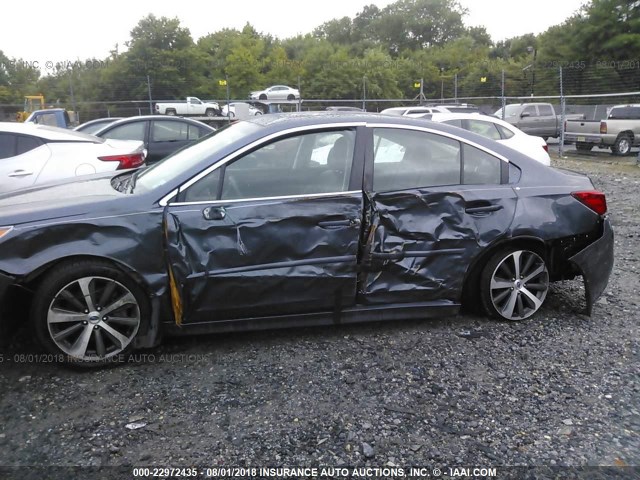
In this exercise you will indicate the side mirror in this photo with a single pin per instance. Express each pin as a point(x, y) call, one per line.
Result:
point(525, 114)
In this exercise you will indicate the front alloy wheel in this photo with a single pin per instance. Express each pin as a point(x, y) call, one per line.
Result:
point(90, 312)
point(514, 284)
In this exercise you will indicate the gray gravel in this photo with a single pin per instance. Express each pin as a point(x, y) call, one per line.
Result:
point(559, 389)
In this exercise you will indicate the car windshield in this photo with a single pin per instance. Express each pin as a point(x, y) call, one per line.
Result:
point(208, 146)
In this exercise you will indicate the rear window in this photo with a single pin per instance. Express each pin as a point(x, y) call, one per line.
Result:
point(625, 113)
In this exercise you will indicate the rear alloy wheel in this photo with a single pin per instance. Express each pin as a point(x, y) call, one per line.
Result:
point(89, 312)
point(622, 146)
point(171, 112)
point(514, 284)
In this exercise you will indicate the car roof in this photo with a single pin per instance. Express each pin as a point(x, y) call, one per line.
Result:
point(301, 119)
point(45, 132)
point(170, 118)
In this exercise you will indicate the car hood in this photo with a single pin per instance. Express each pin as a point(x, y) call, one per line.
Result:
point(66, 198)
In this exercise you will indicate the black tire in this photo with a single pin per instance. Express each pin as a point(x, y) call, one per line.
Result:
point(70, 323)
point(171, 111)
point(511, 292)
point(583, 147)
point(291, 97)
point(210, 112)
point(622, 146)
point(262, 97)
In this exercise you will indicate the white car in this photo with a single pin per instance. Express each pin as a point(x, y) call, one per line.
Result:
point(32, 154)
point(420, 110)
point(498, 130)
point(232, 107)
point(277, 92)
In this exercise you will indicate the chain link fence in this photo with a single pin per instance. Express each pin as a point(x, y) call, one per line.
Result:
point(572, 87)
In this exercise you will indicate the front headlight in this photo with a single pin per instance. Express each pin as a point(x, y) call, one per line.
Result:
point(4, 231)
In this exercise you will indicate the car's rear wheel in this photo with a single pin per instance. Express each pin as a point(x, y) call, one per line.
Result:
point(583, 147)
point(88, 313)
point(514, 284)
point(622, 146)
point(171, 111)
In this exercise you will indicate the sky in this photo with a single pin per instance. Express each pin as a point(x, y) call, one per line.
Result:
point(75, 30)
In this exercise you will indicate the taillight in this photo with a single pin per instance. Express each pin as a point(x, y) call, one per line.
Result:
point(603, 127)
point(546, 147)
point(593, 199)
point(131, 160)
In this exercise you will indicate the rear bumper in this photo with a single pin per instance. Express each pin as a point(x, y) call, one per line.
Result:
point(595, 262)
point(591, 138)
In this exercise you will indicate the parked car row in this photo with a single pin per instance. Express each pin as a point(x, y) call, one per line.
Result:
point(322, 218)
point(161, 135)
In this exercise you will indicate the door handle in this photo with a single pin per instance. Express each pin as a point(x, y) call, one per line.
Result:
point(214, 213)
point(347, 222)
point(480, 209)
point(20, 173)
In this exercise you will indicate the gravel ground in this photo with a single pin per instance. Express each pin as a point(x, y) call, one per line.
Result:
point(559, 389)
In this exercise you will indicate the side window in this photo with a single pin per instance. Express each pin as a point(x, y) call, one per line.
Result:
point(545, 111)
point(129, 131)
point(7, 145)
point(304, 164)
point(531, 110)
point(205, 189)
point(26, 144)
point(479, 167)
point(168, 131)
point(486, 129)
point(408, 159)
point(504, 131)
point(195, 132)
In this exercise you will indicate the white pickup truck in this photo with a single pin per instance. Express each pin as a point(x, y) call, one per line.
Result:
point(192, 106)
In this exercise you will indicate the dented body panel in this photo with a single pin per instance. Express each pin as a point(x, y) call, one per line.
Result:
point(349, 255)
point(272, 257)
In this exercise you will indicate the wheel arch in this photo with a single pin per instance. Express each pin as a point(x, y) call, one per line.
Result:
point(626, 133)
point(33, 279)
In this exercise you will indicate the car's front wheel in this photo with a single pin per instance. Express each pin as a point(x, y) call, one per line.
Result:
point(514, 283)
point(88, 313)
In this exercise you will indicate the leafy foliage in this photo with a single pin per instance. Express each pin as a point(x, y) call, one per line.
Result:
point(379, 52)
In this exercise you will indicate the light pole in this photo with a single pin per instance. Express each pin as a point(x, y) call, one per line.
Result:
point(531, 49)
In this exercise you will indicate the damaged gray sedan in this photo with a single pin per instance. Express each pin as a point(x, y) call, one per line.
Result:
point(299, 219)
